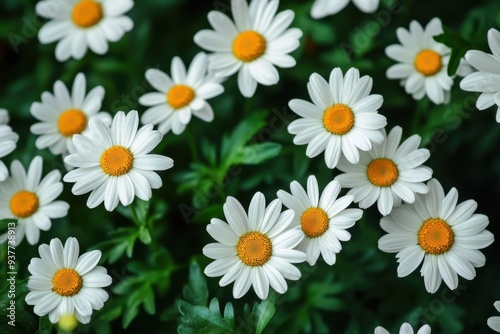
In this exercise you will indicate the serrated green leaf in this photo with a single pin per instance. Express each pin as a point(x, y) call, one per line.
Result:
point(196, 291)
point(198, 319)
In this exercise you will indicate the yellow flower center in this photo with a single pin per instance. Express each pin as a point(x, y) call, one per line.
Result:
point(314, 222)
point(117, 160)
point(249, 45)
point(254, 248)
point(23, 204)
point(382, 172)
point(338, 119)
point(180, 96)
point(428, 62)
point(435, 236)
point(87, 13)
point(72, 122)
point(66, 282)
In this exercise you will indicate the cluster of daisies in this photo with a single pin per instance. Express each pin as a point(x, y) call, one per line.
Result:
point(109, 156)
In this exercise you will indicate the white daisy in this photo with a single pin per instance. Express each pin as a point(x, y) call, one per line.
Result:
point(255, 249)
point(30, 199)
point(423, 62)
point(487, 79)
point(257, 42)
point(181, 96)
point(322, 219)
point(113, 162)
point(446, 236)
point(342, 118)
point(494, 322)
point(322, 8)
point(63, 115)
point(405, 329)
point(63, 283)
point(388, 173)
point(78, 24)
point(8, 142)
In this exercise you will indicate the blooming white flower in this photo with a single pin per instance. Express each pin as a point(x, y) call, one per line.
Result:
point(323, 219)
point(446, 236)
point(405, 329)
point(388, 173)
point(114, 162)
point(322, 8)
point(31, 200)
point(253, 45)
point(423, 62)
point(8, 141)
point(64, 283)
point(180, 96)
point(78, 24)
point(494, 322)
point(342, 118)
point(63, 115)
point(487, 79)
point(255, 249)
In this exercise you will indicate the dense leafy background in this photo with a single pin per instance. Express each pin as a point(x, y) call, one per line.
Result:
point(247, 149)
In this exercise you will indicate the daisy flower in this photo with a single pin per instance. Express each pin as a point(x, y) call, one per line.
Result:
point(8, 141)
point(388, 173)
point(31, 200)
point(342, 118)
point(487, 79)
point(423, 62)
point(322, 8)
point(323, 219)
point(494, 322)
point(63, 115)
point(64, 283)
point(114, 162)
point(78, 24)
point(405, 329)
point(253, 45)
point(446, 236)
point(180, 96)
point(255, 249)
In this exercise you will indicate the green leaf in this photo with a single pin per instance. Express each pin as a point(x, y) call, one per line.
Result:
point(198, 319)
point(242, 133)
point(196, 291)
point(263, 312)
point(459, 46)
point(256, 153)
point(45, 323)
point(144, 235)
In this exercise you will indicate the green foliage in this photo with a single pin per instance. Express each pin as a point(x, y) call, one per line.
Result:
point(459, 46)
point(149, 246)
point(197, 318)
point(236, 148)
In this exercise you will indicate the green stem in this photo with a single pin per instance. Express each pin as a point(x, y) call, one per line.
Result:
point(134, 214)
point(422, 106)
point(192, 145)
